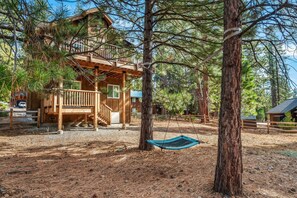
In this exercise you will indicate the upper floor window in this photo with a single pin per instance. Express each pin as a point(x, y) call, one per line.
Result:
point(113, 91)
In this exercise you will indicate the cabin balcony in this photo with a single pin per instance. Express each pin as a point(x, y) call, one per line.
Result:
point(103, 53)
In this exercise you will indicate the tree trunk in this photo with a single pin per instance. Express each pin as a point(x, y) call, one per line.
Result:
point(199, 98)
point(205, 95)
point(147, 85)
point(273, 86)
point(228, 176)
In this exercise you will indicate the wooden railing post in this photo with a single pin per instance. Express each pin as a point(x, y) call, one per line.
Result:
point(10, 117)
point(124, 100)
point(109, 117)
point(96, 101)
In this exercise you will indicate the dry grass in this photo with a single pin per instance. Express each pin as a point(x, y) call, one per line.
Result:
point(108, 164)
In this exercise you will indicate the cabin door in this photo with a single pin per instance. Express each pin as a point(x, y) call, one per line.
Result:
point(115, 117)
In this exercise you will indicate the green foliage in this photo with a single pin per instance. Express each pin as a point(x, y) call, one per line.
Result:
point(261, 114)
point(287, 118)
point(174, 103)
point(45, 74)
point(3, 106)
point(249, 97)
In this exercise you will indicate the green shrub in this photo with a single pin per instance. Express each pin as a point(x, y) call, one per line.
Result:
point(4, 114)
point(3, 106)
point(287, 118)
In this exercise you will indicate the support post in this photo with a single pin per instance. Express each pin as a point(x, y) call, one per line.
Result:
point(60, 113)
point(124, 100)
point(86, 120)
point(10, 117)
point(96, 100)
point(38, 118)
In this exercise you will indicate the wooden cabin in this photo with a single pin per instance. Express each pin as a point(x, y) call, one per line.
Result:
point(99, 94)
point(277, 113)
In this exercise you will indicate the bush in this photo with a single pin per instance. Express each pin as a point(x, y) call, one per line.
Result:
point(4, 114)
point(287, 118)
point(3, 106)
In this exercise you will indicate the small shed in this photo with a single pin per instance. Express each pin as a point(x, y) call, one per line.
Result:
point(249, 121)
point(136, 99)
point(277, 113)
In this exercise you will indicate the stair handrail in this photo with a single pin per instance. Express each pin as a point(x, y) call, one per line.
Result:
point(105, 112)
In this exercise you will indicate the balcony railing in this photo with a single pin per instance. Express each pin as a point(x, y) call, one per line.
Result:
point(100, 50)
point(72, 98)
point(79, 98)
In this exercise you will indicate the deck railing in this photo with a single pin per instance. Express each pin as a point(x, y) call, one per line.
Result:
point(79, 98)
point(100, 50)
point(72, 98)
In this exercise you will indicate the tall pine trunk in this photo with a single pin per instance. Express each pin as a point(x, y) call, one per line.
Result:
point(205, 95)
point(228, 176)
point(273, 78)
point(199, 96)
point(147, 85)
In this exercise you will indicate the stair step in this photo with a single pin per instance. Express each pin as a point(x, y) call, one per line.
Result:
point(100, 119)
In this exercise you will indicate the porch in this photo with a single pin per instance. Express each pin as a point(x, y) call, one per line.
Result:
point(85, 105)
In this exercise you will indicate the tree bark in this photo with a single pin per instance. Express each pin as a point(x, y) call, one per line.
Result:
point(205, 95)
point(228, 176)
point(273, 84)
point(147, 85)
point(199, 95)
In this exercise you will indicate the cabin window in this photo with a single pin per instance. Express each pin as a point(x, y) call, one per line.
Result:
point(72, 84)
point(113, 91)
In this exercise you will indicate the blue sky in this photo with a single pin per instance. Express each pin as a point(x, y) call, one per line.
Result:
point(293, 69)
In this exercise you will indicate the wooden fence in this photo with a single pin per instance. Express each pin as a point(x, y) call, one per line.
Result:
point(24, 117)
point(286, 127)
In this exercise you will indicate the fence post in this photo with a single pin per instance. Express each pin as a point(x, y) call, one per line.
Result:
point(242, 124)
point(10, 118)
point(38, 118)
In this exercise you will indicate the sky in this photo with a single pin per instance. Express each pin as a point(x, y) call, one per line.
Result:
point(290, 52)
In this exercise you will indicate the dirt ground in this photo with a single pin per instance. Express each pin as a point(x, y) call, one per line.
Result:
point(84, 163)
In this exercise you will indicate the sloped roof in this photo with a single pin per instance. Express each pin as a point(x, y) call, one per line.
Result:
point(284, 107)
point(91, 11)
point(136, 94)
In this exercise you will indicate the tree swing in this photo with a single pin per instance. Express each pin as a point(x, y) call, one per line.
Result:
point(176, 143)
point(179, 142)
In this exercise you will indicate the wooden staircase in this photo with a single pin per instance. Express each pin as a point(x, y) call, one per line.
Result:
point(104, 115)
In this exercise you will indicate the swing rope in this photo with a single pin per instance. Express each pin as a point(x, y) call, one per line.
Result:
point(176, 143)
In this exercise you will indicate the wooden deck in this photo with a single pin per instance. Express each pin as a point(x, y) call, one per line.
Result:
point(78, 102)
point(74, 102)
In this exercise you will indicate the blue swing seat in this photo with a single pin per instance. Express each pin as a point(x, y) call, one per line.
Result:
point(177, 143)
